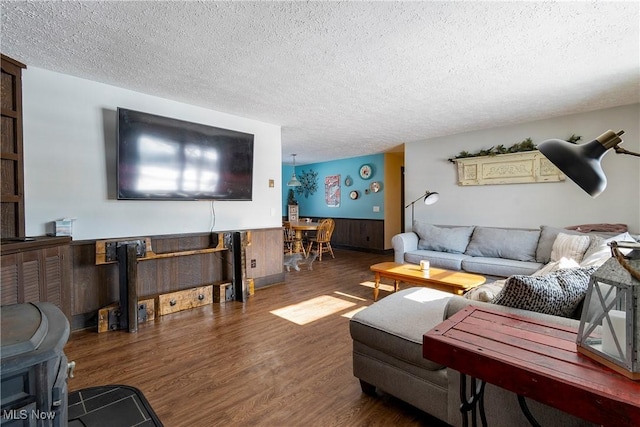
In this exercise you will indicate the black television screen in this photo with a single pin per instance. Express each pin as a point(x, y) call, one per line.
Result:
point(160, 158)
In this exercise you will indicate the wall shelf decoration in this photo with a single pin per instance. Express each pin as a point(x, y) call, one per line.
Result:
point(365, 171)
point(515, 168)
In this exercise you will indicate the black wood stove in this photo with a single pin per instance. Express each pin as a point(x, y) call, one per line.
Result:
point(34, 366)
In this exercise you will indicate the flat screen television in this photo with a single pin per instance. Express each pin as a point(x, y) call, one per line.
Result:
point(161, 158)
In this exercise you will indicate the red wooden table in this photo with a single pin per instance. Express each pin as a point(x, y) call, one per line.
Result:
point(530, 357)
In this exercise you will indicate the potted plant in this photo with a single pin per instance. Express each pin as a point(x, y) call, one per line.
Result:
point(291, 198)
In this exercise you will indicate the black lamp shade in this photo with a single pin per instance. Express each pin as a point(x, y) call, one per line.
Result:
point(581, 163)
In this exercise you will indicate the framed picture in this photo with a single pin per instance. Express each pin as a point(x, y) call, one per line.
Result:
point(332, 190)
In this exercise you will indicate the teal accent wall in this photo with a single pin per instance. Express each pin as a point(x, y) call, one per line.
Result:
point(316, 206)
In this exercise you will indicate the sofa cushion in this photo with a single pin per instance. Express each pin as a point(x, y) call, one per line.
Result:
point(509, 243)
point(548, 236)
point(445, 260)
point(558, 293)
point(443, 239)
point(396, 323)
point(499, 266)
point(569, 247)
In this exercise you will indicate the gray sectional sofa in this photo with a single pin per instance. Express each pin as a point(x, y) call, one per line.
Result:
point(490, 251)
point(387, 355)
point(387, 335)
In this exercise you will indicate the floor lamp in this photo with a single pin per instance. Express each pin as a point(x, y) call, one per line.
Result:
point(430, 197)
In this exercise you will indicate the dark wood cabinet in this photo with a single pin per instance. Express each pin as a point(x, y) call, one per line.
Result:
point(264, 256)
point(37, 271)
point(367, 234)
point(11, 157)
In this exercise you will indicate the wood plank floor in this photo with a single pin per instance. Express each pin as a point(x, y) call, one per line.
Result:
point(283, 358)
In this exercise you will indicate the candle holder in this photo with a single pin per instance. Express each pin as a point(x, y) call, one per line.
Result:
point(610, 322)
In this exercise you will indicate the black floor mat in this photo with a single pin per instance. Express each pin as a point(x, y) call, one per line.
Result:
point(110, 406)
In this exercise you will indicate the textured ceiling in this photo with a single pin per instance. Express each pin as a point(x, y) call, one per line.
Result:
point(346, 79)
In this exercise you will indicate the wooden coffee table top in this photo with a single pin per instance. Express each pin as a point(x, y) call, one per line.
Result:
point(451, 281)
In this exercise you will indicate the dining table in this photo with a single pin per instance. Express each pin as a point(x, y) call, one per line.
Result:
point(299, 227)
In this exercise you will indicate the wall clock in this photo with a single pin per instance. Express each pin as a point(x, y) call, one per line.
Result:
point(375, 186)
point(354, 195)
point(366, 171)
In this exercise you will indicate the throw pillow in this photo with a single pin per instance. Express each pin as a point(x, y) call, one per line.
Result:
point(442, 239)
point(558, 293)
point(568, 246)
point(486, 292)
point(547, 238)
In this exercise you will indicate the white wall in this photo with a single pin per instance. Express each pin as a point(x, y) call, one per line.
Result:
point(69, 162)
point(528, 205)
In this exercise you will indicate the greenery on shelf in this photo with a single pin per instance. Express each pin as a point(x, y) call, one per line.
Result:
point(520, 147)
point(574, 139)
point(309, 181)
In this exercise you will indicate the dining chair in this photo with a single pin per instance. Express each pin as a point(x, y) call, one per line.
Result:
point(289, 237)
point(322, 238)
point(307, 235)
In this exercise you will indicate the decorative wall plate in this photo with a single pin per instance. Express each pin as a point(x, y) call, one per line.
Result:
point(354, 195)
point(348, 181)
point(375, 186)
point(366, 171)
